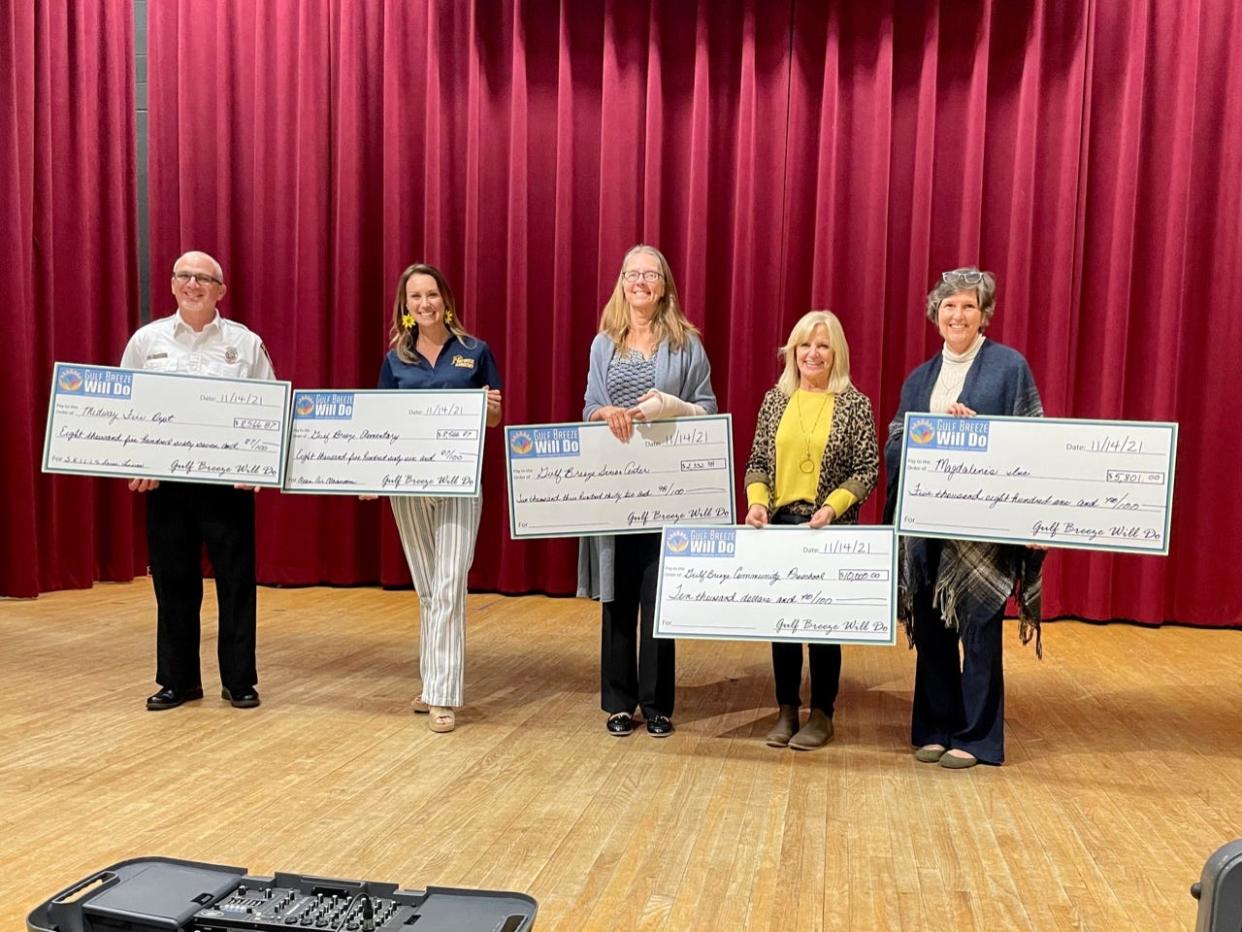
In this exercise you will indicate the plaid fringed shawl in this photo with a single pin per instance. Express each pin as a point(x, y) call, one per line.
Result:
point(973, 579)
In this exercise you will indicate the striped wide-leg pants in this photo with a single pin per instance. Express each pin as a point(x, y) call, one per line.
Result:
point(438, 535)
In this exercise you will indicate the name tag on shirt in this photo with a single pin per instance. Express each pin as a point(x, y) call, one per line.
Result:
point(463, 362)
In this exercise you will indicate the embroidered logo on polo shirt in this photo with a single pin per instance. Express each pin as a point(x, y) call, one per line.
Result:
point(463, 362)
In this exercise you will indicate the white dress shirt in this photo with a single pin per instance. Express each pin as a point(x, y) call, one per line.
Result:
point(222, 348)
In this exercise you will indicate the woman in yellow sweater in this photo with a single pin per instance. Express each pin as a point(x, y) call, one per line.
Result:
point(814, 460)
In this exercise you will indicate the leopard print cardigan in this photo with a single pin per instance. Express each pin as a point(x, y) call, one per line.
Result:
point(851, 458)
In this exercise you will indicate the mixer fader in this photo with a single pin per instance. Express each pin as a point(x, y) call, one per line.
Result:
point(281, 907)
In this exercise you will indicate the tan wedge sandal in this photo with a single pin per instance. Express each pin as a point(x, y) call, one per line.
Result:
point(442, 719)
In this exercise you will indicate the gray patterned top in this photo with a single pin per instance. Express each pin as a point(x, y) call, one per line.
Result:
point(630, 376)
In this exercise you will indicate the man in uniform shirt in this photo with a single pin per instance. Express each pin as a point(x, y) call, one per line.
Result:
point(183, 516)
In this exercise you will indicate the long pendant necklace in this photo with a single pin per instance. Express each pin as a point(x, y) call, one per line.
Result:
point(807, 466)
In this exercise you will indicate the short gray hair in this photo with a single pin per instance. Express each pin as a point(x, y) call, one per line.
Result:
point(964, 279)
point(216, 267)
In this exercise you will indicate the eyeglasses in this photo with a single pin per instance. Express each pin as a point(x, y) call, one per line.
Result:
point(651, 275)
point(201, 277)
point(969, 276)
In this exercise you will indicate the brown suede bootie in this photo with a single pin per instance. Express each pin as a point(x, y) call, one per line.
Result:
point(814, 734)
point(786, 725)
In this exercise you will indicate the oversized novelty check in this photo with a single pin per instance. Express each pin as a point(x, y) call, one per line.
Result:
point(103, 421)
point(1095, 485)
point(568, 480)
point(836, 584)
point(427, 442)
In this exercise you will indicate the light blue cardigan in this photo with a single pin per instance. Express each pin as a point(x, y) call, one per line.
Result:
point(685, 373)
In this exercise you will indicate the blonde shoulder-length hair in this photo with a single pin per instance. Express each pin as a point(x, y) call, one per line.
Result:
point(839, 375)
point(669, 322)
point(402, 338)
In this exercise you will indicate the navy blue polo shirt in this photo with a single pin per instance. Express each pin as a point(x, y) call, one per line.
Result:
point(459, 365)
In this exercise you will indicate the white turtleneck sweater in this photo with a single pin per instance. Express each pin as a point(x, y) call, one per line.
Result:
point(953, 370)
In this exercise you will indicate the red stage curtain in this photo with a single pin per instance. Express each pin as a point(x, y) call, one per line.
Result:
point(67, 244)
point(784, 155)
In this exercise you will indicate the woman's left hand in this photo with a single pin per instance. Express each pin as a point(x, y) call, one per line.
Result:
point(957, 409)
point(493, 406)
point(825, 515)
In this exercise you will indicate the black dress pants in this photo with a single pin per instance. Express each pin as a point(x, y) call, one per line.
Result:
point(637, 669)
point(825, 674)
point(181, 518)
point(825, 659)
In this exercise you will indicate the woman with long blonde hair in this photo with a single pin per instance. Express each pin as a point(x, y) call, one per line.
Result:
point(647, 363)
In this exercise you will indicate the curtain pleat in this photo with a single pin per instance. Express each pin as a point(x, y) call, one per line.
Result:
point(67, 244)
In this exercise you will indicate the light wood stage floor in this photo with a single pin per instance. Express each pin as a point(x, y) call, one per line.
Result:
point(1124, 774)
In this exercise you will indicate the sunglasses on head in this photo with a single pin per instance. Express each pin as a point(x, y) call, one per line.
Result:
point(969, 276)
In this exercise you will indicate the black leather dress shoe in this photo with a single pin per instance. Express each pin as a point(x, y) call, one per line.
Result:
point(246, 698)
point(620, 725)
point(659, 726)
point(169, 698)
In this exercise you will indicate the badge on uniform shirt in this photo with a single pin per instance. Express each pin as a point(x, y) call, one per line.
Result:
point(230, 355)
point(463, 362)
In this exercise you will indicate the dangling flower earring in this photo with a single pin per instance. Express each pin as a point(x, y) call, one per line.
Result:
point(448, 316)
point(407, 321)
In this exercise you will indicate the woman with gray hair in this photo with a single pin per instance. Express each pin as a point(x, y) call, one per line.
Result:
point(813, 461)
point(955, 591)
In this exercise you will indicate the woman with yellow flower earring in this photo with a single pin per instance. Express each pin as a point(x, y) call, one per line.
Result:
point(429, 348)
